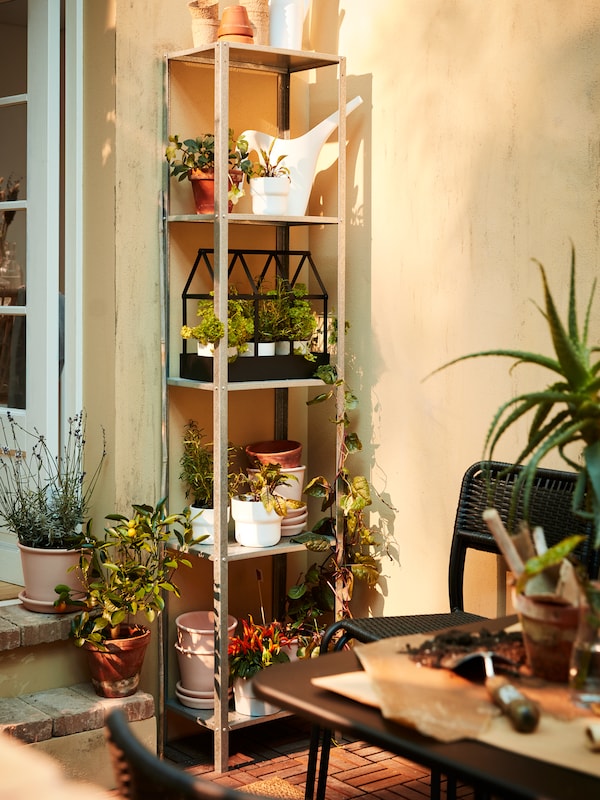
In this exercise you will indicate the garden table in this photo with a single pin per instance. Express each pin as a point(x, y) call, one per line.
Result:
point(489, 769)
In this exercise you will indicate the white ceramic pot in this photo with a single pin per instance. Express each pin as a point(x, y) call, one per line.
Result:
point(283, 348)
point(254, 525)
point(195, 630)
point(208, 350)
point(203, 523)
point(247, 703)
point(286, 23)
point(270, 195)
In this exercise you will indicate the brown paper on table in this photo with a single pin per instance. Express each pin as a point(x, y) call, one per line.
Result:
point(436, 702)
point(410, 695)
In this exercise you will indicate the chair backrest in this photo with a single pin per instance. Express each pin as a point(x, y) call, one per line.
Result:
point(141, 775)
point(551, 507)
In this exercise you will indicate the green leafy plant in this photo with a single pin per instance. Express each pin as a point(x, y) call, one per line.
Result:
point(309, 603)
point(265, 168)
point(565, 414)
point(257, 648)
point(197, 467)
point(187, 156)
point(262, 486)
point(353, 557)
point(45, 498)
point(127, 572)
point(287, 315)
point(210, 329)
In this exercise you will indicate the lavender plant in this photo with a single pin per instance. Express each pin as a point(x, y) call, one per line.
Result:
point(45, 498)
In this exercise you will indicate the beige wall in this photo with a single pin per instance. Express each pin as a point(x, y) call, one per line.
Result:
point(476, 149)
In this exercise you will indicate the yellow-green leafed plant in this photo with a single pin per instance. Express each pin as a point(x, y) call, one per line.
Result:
point(565, 413)
point(127, 572)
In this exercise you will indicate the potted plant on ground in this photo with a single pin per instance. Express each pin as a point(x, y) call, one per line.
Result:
point(45, 500)
point(257, 513)
point(194, 159)
point(269, 184)
point(210, 330)
point(197, 473)
point(123, 575)
point(257, 648)
point(564, 417)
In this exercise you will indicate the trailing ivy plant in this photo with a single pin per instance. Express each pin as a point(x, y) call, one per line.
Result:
point(353, 557)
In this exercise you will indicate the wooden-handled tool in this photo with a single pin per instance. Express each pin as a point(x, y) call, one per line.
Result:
point(522, 712)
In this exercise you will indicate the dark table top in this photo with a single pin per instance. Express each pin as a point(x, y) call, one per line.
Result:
point(504, 773)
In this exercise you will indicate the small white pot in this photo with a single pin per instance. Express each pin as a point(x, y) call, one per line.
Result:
point(283, 348)
point(203, 523)
point(247, 703)
point(270, 195)
point(208, 350)
point(254, 525)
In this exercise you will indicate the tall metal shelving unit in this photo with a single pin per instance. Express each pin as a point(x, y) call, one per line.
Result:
point(225, 58)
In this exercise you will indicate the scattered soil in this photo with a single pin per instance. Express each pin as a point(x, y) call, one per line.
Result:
point(441, 649)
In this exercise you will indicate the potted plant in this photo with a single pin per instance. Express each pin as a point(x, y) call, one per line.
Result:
point(194, 159)
point(210, 329)
point(257, 648)
point(258, 512)
point(564, 418)
point(44, 500)
point(123, 575)
point(197, 473)
point(287, 317)
point(309, 607)
point(269, 183)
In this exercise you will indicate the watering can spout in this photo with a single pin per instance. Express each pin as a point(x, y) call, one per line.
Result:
point(301, 155)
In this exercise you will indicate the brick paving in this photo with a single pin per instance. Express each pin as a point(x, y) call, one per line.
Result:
point(280, 748)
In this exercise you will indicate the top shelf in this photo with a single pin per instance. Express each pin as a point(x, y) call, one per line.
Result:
point(250, 56)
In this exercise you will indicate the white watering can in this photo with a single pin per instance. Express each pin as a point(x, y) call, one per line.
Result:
point(286, 21)
point(301, 155)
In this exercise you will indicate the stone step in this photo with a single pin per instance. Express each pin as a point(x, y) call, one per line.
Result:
point(22, 628)
point(63, 712)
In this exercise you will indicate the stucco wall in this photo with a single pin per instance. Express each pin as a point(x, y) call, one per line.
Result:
point(476, 149)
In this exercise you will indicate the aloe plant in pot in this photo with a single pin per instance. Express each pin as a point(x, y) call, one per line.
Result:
point(564, 417)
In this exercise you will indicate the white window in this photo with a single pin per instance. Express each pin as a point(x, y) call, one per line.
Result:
point(40, 120)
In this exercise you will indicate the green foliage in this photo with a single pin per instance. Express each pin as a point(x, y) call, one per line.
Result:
point(45, 498)
point(210, 329)
point(353, 558)
point(127, 572)
point(265, 168)
point(565, 413)
point(199, 153)
point(197, 467)
point(262, 487)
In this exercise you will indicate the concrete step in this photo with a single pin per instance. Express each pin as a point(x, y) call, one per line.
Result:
point(47, 700)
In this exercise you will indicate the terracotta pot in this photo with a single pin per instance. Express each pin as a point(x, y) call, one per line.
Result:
point(43, 570)
point(235, 26)
point(116, 671)
point(549, 631)
point(285, 452)
point(203, 187)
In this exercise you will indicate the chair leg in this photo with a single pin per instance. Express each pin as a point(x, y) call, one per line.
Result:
point(450, 787)
point(435, 783)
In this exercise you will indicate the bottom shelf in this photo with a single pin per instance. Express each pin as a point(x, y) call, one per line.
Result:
point(206, 718)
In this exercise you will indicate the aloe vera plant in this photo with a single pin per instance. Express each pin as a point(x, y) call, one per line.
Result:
point(565, 413)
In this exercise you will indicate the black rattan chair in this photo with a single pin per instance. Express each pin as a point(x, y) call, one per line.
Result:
point(141, 775)
point(551, 506)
